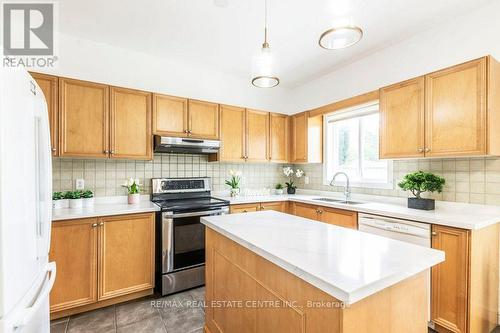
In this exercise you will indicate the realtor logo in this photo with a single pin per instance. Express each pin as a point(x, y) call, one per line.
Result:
point(29, 34)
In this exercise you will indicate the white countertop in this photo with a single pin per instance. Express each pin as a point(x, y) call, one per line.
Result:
point(347, 264)
point(106, 206)
point(453, 214)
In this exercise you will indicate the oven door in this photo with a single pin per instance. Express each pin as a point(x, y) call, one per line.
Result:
point(183, 239)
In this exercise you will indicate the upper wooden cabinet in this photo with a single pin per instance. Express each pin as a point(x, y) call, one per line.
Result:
point(203, 120)
point(180, 117)
point(170, 115)
point(232, 133)
point(307, 138)
point(84, 118)
point(257, 131)
point(278, 138)
point(402, 119)
point(130, 124)
point(452, 112)
point(49, 86)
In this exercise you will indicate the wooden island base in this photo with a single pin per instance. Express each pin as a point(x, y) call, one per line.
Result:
point(247, 293)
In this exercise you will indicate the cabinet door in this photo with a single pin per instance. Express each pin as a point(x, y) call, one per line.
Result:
point(126, 254)
point(278, 145)
point(340, 217)
point(84, 119)
point(244, 208)
point(402, 119)
point(49, 86)
point(203, 120)
point(306, 211)
point(455, 116)
point(73, 247)
point(170, 115)
point(450, 279)
point(279, 206)
point(257, 140)
point(131, 124)
point(232, 133)
point(299, 138)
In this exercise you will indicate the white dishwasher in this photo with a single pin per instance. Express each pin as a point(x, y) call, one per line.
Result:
point(403, 230)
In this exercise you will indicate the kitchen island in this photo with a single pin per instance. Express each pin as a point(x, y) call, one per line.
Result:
point(274, 272)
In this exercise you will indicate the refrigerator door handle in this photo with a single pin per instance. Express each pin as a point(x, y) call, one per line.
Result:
point(27, 313)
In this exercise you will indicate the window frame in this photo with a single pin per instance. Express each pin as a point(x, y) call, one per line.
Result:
point(353, 112)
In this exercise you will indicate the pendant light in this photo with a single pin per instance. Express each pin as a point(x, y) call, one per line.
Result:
point(263, 74)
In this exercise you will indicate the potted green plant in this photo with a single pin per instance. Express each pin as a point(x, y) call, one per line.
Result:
point(134, 190)
point(418, 183)
point(58, 200)
point(88, 198)
point(290, 173)
point(75, 199)
point(234, 182)
point(278, 189)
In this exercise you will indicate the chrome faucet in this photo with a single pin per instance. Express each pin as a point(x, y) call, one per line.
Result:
point(347, 189)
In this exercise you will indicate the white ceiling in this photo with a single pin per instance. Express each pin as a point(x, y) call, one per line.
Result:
point(225, 34)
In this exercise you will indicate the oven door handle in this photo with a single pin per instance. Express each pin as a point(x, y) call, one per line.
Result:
point(224, 210)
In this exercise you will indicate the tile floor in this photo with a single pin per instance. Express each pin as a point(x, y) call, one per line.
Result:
point(179, 313)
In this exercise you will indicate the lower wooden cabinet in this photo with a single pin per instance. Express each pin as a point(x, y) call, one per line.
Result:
point(279, 206)
point(464, 288)
point(244, 208)
point(340, 217)
point(101, 259)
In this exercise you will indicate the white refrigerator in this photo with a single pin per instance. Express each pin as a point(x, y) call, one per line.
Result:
point(26, 276)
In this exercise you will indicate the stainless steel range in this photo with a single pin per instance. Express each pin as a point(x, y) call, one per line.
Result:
point(180, 241)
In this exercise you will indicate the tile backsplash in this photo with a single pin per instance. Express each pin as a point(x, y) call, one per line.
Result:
point(105, 177)
point(471, 180)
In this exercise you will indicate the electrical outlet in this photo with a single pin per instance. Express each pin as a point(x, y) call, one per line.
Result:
point(306, 180)
point(80, 184)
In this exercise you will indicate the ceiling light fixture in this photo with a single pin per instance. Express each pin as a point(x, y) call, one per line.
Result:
point(263, 73)
point(340, 37)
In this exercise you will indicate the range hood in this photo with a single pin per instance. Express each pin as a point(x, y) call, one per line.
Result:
point(165, 144)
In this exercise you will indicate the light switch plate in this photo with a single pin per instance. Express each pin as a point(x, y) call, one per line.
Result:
point(306, 180)
point(79, 184)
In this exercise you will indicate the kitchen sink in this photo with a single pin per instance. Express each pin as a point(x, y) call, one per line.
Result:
point(339, 201)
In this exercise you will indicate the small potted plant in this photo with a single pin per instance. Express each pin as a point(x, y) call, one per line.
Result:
point(278, 189)
point(290, 186)
point(75, 199)
point(418, 183)
point(88, 198)
point(58, 200)
point(133, 189)
point(234, 182)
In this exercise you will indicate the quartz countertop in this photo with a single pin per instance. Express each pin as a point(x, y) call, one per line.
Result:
point(106, 206)
point(453, 214)
point(347, 264)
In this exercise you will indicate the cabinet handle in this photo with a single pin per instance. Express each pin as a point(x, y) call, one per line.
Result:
point(94, 225)
point(54, 150)
point(245, 211)
point(420, 150)
point(434, 233)
point(101, 224)
point(106, 151)
point(185, 131)
point(112, 152)
point(320, 211)
point(427, 150)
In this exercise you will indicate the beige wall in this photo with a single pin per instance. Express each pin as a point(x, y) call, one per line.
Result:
point(105, 177)
point(473, 180)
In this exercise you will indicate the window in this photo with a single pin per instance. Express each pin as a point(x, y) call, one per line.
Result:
point(351, 146)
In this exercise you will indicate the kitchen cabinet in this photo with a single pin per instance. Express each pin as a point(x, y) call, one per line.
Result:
point(101, 261)
point(84, 119)
point(126, 256)
point(451, 112)
point(170, 115)
point(203, 120)
point(130, 124)
point(279, 206)
point(257, 131)
point(73, 247)
point(278, 138)
point(339, 217)
point(232, 133)
point(49, 85)
point(402, 119)
point(307, 138)
point(464, 288)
